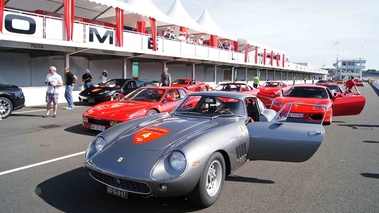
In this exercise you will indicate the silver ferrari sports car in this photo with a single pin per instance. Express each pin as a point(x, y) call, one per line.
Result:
point(189, 151)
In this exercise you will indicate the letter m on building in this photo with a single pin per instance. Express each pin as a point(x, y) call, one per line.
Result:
point(101, 37)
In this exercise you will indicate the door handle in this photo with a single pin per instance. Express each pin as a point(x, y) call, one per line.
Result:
point(314, 133)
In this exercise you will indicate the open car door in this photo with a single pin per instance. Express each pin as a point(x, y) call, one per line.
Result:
point(349, 104)
point(279, 140)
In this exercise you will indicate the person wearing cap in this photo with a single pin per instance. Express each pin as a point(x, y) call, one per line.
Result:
point(87, 79)
point(103, 77)
point(54, 81)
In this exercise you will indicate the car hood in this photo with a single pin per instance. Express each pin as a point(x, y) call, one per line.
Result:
point(97, 90)
point(116, 109)
point(302, 100)
point(269, 89)
point(159, 134)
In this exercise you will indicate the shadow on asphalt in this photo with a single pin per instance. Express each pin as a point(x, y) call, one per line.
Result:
point(370, 141)
point(375, 89)
point(79, 129)
point(370, 175)
point(247, 179)
point(356, 126)
point(75, 191)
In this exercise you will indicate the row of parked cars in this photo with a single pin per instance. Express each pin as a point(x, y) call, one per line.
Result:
point(205, 135)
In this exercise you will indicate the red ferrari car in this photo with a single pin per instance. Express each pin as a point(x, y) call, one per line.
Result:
point(191, 84)
point(323, 82)
point(336, 104)
point(339, 81)
point(270, 90)
point(237, 87)
point(141, 102)
point(359, 83)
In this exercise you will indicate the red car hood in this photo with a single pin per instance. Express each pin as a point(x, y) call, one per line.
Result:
point(117, 110)
point(285, 100)
point(269, 89)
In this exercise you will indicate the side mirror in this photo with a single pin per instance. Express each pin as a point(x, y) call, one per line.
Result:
point(338, 95)
point(169, 98)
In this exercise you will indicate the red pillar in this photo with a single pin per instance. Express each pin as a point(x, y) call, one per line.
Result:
point(247, 47)
point(256, 55)
point(277, 59)
point(235, 44)
point(69, 14)
point(141, 26)
point(264, 56)
point(119, 27)
point(153, 33)
point(213, 41)
point(283, 60)
point(1, 15)
point(272, 58)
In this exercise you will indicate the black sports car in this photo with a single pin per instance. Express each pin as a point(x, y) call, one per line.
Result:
point(11, 98)
point(111, 90)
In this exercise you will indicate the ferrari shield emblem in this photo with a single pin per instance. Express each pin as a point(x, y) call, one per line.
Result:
point(148, 134)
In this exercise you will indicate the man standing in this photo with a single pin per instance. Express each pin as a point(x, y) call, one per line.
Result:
point(349, 86)
point(54, 81)
point(255, 81)
point(70, 83)
point(165, 78)
point(87, 78)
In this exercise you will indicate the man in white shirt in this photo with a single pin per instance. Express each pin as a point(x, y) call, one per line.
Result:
point(54, 81)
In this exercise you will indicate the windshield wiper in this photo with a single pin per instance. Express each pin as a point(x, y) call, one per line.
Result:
point(226, 115)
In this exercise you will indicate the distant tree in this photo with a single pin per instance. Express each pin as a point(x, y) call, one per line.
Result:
point(372, 70)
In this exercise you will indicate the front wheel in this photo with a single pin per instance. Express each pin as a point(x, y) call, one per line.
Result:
point(6, 107)
point(116, 96)
point(211, 182)
point(151, 112)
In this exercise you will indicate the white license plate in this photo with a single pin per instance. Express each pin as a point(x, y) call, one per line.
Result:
point(295, 115)
point(97, 127)
point(117, 192)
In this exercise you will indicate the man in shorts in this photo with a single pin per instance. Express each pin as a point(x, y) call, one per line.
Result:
point(54, 81)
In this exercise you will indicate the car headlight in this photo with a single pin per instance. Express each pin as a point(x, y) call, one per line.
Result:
point(178, 161)
point(99, 143)
point(85, 119)
point(320, 107)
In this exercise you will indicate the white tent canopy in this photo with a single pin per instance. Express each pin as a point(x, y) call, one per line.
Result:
point(178, 13)
point(142, 11)
point(207, 22)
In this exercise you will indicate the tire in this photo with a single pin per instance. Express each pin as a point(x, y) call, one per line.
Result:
point(6, 107)
point(151, 112)
point(116, 96)
point(211, 182)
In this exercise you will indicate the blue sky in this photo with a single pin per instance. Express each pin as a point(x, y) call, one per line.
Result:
point(306, 30)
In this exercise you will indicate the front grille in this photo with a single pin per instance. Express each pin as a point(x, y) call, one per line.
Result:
point(99, 122)
point(127, 185)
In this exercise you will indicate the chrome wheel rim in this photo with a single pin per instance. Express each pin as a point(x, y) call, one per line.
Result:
point(214, 178)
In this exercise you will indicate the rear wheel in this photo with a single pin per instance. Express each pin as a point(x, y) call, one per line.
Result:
point(6, 107)
point(211, 182)
point(151, 112)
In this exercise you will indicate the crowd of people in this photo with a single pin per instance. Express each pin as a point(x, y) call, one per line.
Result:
point(182, 36)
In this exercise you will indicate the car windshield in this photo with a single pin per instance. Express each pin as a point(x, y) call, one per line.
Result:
point(146, 94)
point(211, 106)
point(228, 87)
point(307, 92)
point(114, 83)
point(180, 81)
point(334, 88)
point(271, 84)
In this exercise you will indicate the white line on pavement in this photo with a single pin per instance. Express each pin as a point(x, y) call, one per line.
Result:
point(41, 163)
point(37, 110)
